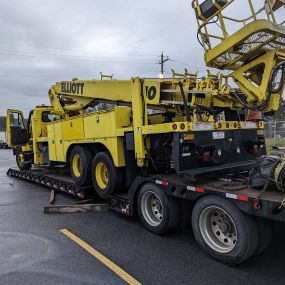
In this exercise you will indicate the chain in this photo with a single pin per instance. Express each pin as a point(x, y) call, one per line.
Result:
point(271, 174)
point(232, 185)
point(282, 205)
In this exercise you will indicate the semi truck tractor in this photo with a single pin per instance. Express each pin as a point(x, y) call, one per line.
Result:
point(174, 150)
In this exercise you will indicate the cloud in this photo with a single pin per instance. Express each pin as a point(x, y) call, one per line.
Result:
point(47, 41)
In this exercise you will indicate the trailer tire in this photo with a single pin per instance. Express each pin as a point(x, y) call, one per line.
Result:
point(158, 213)
point(107, 178)
point(80, 165)
point(222, 231)
point(186, 208)
point(21, 163)
point(265, 234)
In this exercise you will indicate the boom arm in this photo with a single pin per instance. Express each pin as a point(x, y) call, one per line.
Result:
point(254, 54)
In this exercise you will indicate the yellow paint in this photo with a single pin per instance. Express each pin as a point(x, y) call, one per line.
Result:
point(72, 129)
point(77, 165)
point(103, 259)
point(101, 174)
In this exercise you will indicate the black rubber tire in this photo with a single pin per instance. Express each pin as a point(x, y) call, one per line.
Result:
point(171, 211)
point(186, 208)
point(23, 166)
point(115, 175)
point(246, 228)
point(265, 234)
point(85, 155)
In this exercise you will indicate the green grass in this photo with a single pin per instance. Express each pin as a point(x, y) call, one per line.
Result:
point(271, 142)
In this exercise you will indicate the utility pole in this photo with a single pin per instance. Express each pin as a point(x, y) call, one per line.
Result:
point(161, 62)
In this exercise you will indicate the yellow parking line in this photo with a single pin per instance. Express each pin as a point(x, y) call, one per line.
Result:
point(111, 265)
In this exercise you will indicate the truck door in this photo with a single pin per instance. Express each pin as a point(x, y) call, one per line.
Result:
point(17, 134)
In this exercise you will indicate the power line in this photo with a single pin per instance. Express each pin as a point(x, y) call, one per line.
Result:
point(72, 49)
point(72, 57)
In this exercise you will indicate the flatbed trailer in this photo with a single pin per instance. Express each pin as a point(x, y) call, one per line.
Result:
point(266, 204)
point(222, 211)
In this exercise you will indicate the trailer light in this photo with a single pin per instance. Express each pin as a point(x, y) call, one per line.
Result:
point(194, 189)
point(174, 127)
point(206, 156)
point(163, 183)
point(189, 137)
point(182, 126)
point(220, 125)
point(237, 197)
point(227, 125)
point(235, 125)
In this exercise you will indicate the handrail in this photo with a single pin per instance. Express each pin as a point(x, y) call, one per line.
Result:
point(245, 19)
point(203, 22)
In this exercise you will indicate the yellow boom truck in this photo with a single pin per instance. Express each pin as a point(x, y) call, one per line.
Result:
point(172, 149)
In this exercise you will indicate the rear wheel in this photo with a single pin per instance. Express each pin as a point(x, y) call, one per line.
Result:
point(158, 213)
point(223, 232)
point(107, 178)
point(21, 161)
point(80, 165)
point(265, 233)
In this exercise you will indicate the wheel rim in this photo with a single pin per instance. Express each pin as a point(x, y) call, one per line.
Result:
point(77, 165)
point(21, 159)
point(102, 176)
point(218, 229)
point(152, 209)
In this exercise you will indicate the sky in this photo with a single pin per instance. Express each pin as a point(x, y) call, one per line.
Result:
point(53, 40)
point(43, 42)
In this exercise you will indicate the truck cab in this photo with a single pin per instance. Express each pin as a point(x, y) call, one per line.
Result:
point(29, 138)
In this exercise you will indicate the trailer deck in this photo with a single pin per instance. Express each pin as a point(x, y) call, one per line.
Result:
point(268, 204)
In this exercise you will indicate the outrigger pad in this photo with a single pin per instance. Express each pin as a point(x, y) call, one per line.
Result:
point(208, 7)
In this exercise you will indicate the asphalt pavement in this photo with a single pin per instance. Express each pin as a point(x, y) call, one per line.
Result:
point(33, 250)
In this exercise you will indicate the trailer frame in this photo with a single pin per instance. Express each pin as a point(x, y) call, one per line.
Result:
point(269, 204)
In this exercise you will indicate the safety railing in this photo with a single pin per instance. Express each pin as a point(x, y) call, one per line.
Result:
point(212, 12)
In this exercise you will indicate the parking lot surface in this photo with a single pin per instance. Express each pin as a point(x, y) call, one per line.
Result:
point(35, 250)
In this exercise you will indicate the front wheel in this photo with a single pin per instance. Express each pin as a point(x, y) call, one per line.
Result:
point(223, 232)
point(21, 161)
